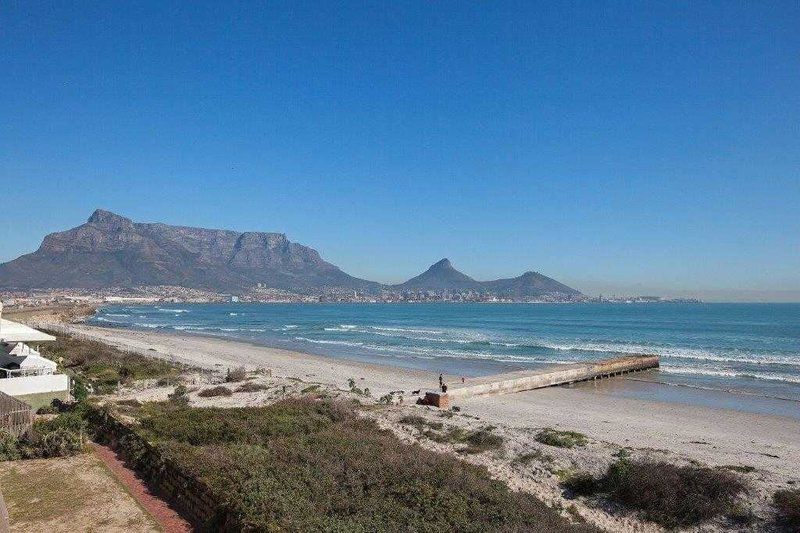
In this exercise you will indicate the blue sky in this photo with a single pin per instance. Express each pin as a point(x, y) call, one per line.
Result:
point(628, 147)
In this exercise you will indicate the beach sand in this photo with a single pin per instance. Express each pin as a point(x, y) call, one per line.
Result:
point(670, 431)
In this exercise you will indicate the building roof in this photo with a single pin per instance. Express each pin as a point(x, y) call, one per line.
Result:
point(16, 332)
point(26, 362)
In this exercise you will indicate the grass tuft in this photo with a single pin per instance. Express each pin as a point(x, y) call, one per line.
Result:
point(215, 391)
point(787, 506)
point(561, 439)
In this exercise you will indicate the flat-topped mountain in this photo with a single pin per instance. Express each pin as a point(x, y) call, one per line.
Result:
point(112, 251)
point(443, 276)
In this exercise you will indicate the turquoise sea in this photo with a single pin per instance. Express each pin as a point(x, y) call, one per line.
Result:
point(750, 349)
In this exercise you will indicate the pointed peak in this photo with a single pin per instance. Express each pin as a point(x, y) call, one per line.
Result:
point(443, 263)
point(101, 216)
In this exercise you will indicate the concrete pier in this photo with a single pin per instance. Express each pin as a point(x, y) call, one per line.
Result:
point(548, 377)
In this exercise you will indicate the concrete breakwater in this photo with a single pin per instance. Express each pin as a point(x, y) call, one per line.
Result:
point(525, 380)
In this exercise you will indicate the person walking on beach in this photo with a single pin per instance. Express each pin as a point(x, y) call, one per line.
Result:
point(441, 380)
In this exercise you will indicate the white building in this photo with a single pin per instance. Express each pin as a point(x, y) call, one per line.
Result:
point(24, 373)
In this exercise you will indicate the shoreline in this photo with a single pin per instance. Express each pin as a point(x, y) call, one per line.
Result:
point(728, 436)
point(695, 395)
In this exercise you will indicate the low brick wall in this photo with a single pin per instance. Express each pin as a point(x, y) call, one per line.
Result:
point(189, 495)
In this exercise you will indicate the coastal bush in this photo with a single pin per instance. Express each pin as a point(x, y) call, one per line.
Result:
point(251, 387)
point(101, 365)
point(561, 439)
point(58, 442)
point(49, 409)
point(787, 506)
point(305, 465)
point(413, 420)
point(243, 425)
point(673, 496)
point(215, 391)
point(535, 455)
point(236, 375)
point(9, 447)
point(581, 483)
point(180, 396)
point(482, 440)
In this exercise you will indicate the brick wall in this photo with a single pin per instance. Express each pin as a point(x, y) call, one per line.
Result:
point(189, 495)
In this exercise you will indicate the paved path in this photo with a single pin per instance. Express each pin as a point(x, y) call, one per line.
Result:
point(160, 510)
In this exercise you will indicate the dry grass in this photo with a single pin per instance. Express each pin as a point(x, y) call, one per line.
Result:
point(67, 495)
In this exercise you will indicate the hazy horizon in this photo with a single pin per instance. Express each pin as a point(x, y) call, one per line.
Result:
point(629, 149)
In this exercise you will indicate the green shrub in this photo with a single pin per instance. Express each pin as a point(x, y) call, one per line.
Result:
point(787, 507)
point(253, 425)
point(9, 447)
point(79, 389)
point(236, 375)
point(252, 387)
point(61, 442)
point(304, 465)
point(561, 439)
point(535, 455)
point(180, 396)
point(482, 440)
point(310, 389)
point(47, 410)
point(581, 483)
point(413, 420)
point(673, 496)
point(215, 391)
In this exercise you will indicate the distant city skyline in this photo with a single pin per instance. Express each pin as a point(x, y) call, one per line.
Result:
point(630, 149)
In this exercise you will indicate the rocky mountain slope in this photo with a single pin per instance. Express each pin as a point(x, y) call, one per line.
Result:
point(112, 251)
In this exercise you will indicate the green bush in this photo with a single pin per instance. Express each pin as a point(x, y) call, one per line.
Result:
point(303, 465)
point(9, 447)
point(252, 387)
point(673, 496)
point(60, 442)
point(79, 389)
point(561, 439)
point(179, 397)
point(413, 420)
point(787, 507)
point(482, 440)
point(215, 391)
point(245, 425)
point(581, 483)
point(236, 375)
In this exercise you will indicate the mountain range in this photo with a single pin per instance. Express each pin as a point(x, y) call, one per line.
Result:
point(110, 250)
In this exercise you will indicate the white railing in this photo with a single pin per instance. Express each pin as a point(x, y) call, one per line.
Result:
point(24, 372)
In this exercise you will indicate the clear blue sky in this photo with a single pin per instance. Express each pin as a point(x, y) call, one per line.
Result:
point(628, 146)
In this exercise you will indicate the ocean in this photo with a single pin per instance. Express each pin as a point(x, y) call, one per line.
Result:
point(743, 349)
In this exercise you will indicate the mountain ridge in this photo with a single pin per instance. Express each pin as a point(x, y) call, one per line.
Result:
point(110, 250)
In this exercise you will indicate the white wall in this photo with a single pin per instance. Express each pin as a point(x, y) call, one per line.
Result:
point(34, 384)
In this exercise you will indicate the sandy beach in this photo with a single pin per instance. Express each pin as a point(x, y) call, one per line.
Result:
point(666, 431)
point(715, 436)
